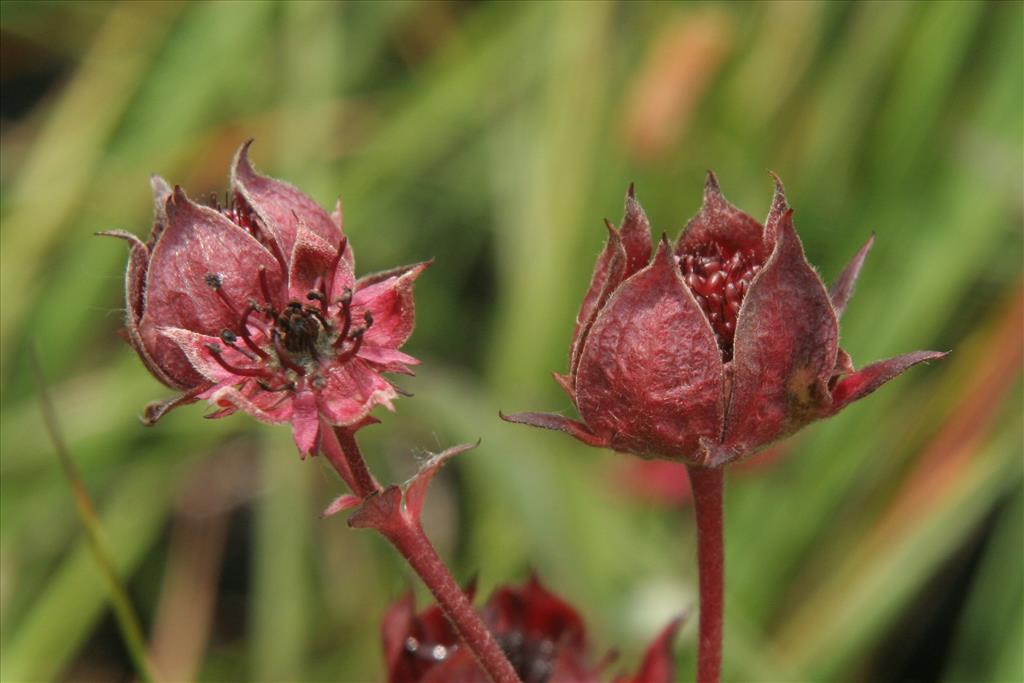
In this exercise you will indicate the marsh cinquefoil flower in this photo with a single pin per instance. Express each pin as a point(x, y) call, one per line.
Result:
point(255, 307)
point(718, 345)
point(544, 637)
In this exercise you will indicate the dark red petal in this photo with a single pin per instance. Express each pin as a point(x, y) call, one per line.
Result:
point(608, 274)
point(387, 360)
point(282, 208)
point(305, 421)
point(720, 222)
point(650, 378)
point(558, 423)
point(311, 262)
point(635, 231)
point(842, 289)
point(197, 242)
point(391, 304)
point(861, 383)
point(785, 351)
point(196, 348)
point(352, 391)
point(658, 665)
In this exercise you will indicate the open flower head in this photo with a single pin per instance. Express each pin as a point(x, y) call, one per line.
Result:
point(255, 306)
point(714, 346)
point(543, 636)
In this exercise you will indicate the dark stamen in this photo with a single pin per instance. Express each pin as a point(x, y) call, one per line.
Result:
point(357, 342)
point(229, 338)
point(245, 372)
point(245, 333)
point(346, 317)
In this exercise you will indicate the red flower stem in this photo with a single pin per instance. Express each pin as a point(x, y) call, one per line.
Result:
point(364, 483)
point(415, 547)
point(707, 484)
point(406, 534)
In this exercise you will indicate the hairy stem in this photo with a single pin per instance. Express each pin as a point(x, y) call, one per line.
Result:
point(406, 534)
point(416, 548)
point(707, 485)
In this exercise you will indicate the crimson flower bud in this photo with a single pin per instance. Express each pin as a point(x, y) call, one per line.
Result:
point(714, 347)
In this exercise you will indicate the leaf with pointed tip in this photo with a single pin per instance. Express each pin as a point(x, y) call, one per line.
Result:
point(558, 423)
point(416, 488)
point(378, 510)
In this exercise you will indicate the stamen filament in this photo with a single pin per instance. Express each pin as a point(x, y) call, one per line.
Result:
point(247, 338)
point(244, 372)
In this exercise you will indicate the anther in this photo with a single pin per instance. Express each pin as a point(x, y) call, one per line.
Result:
point(214, 280)
point(357, 342)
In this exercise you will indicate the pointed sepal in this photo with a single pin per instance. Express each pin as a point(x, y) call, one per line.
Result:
point(650, 378)
point(785, 349)
point(558, 423)
point(720, 222)
point(609, 271)
point(635, 231)
point(859, 384)
point(842, 289)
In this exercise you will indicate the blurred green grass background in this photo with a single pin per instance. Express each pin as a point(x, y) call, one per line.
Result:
point(884, 544)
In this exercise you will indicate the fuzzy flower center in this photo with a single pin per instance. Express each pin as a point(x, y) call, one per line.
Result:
point(719, 278)
point(283, 347)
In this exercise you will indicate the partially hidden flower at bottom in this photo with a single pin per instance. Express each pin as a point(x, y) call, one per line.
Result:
point(255, 306)
point(715, 346)
point(543, 636)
